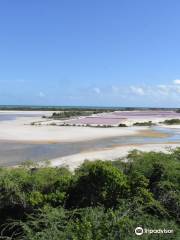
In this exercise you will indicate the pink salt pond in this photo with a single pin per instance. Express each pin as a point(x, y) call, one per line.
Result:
point(96, 121)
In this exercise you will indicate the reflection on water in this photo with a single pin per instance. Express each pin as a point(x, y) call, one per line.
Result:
point(12, 153)
point(7, 117)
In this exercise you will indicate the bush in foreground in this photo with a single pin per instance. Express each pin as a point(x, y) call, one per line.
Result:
point(100, 200)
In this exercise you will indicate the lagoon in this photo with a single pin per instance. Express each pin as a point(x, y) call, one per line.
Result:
point(14, 153)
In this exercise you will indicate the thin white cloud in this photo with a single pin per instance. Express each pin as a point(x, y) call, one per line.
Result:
point(163, 89)
point(176, 81)
point(97, 90)
point(115, 89)
point(41, 94)
point(160, 93)
point(137, 90)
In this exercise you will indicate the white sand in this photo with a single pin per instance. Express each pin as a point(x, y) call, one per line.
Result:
point(171, 126)
point(21, 130)
point(76, 160)
point(26, 112)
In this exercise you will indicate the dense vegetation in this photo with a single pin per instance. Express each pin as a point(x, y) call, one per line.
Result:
point(66, 108)
point(76, 113)
point(100, 200)
point(148, 124)
point(122, 125)
point(58, 108)
point(174, 121)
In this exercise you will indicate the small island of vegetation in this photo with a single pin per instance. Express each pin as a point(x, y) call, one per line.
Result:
point(65, 114)
point(172, 121)
point(148, 124)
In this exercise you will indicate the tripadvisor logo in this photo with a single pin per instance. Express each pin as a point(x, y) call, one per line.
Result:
point(140, 231)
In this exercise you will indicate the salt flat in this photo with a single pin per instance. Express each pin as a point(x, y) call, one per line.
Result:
point(21, 129)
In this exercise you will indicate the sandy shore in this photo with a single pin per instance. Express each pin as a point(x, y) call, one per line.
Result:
point(21, 130)
point(114, 153)
point(171, 126)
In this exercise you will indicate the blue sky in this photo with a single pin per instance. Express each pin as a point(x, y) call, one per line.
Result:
point(90, 52)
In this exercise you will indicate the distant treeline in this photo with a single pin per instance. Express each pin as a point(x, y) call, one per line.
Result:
point(77, 108)
point(76, 113)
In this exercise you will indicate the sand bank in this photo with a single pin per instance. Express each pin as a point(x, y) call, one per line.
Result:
point(21, 130)
point(114, 153)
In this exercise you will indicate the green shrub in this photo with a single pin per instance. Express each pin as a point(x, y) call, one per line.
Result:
point(172, 121)
point(100, 200)
point(97, 183)
point(149, 124)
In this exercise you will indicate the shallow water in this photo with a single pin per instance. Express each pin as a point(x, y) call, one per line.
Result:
point(7, 117)
point(13, 153)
